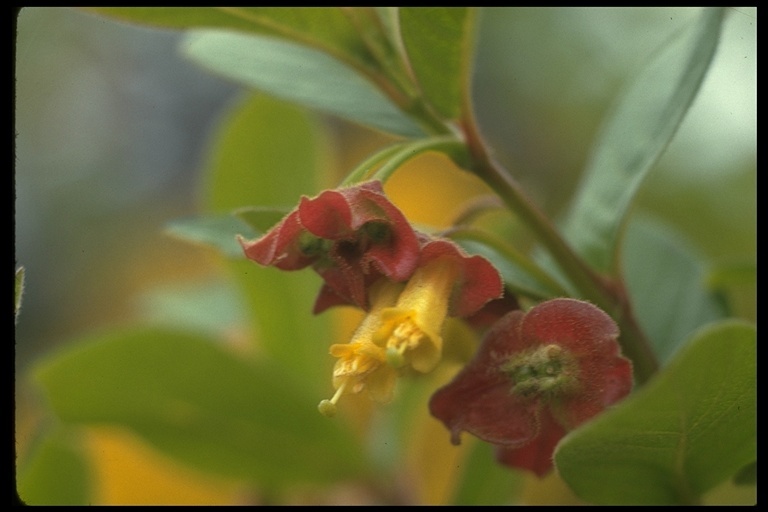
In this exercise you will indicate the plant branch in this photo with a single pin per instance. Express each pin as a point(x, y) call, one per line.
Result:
point(604, 293)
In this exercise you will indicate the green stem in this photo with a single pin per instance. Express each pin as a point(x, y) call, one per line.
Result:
point(450, 146)
point(305, 38)
point(380, 46)
point(420, 111)
point(361, 172)
point(592, 286)
point(394, 78)
point(606, 294)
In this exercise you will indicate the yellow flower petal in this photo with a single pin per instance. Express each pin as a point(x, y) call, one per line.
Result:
point(411, 329)
point(362, 363)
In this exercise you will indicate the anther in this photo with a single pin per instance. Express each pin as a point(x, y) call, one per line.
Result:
point(328, 407)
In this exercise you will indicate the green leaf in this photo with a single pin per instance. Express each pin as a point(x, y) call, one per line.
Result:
point(521, 276)
point(389, 19)
point(689, 429)
point(747, 475)
point(298, 74)
point(218, 231)
point(634, 136)
point(439, 46)
point(56, 472)
point(718, 212)
point(267, 152)
point(324, 28)
point(484, 481)
point(666, 281)
point(200, 403)
point(280, 306)
point(210, 306)
point(221, 230)
point(261, 219)
point(18, 291)
point(730, 274)
point(236, 18)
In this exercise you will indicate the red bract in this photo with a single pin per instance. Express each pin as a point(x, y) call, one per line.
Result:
point(536, 376)
point(476, 283)
point(535, 456)
point(351, 236)
point(492, 312)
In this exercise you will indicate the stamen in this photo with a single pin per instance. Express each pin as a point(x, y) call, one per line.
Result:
point(328, 407)
point(404, 337)
point(542, 370)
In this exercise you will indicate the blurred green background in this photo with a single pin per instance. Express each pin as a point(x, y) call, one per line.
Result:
point(112, 128)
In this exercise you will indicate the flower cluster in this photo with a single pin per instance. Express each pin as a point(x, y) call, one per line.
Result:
point(369, 256)
point(536, 376)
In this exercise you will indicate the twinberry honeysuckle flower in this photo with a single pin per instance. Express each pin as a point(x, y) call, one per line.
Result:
point(362, 363)
point(536, 376)
point(405, 322)
point(447, 282)
point(351, 236)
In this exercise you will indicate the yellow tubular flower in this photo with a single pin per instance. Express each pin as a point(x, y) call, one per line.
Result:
point(410, 331)
point(403, 327)
point(362, 363)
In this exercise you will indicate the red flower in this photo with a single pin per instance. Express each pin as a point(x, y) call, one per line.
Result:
point(536, 376)
point(350, 236)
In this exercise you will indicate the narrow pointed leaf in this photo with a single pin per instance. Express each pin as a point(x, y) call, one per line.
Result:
point(191, 398)
point(324, 28)
point(634, 136)
point(298, 74)
point(691, 428)
point(218, 231)
point(439, 45)
point(666, 281)
point(389, 19)
point(261, 219)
